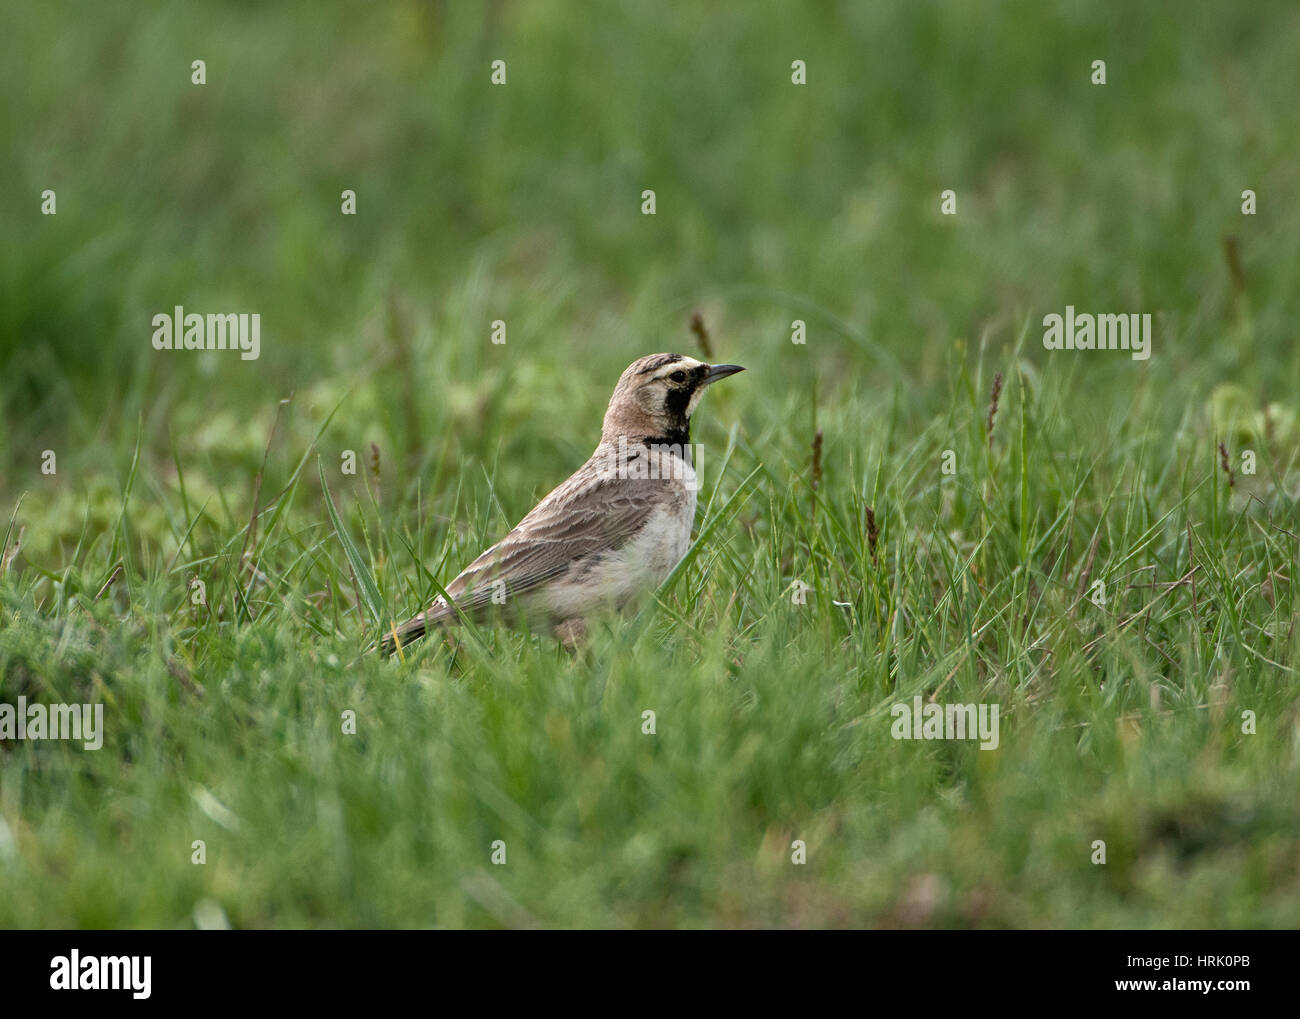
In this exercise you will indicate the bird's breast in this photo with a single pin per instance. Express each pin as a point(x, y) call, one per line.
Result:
point(666, 535)
point(639, 564)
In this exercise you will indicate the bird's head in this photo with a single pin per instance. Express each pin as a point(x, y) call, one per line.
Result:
point(657, 394)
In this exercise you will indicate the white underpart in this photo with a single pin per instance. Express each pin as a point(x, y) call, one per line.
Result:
point(640, 565)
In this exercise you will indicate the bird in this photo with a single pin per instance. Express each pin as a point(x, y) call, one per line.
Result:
point(614, 530)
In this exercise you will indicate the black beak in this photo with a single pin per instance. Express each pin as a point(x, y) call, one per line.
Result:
point(720, 371)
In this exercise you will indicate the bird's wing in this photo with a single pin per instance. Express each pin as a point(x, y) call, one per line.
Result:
point(586, 515)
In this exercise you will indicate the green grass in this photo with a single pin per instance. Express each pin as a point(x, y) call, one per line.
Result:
point(1121, 722)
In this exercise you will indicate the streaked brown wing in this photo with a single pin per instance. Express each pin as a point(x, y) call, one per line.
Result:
point(586, 515)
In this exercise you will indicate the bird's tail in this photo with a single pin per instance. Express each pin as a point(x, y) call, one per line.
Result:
point(406, 633)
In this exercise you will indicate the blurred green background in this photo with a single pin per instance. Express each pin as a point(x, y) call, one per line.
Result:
point(775, 202)
point(522, 202)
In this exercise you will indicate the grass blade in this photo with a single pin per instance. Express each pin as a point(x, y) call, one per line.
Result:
point(365, 579)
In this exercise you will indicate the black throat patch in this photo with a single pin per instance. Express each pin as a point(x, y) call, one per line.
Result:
point(673, 437)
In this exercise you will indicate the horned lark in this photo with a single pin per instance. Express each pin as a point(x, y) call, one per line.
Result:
point(615, 529)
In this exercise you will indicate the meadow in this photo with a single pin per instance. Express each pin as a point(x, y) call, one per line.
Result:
point(908, 496)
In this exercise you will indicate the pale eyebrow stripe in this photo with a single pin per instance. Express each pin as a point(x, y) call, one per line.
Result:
point(669, 359)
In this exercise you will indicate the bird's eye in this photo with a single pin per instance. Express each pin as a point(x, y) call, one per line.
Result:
point(678, 376)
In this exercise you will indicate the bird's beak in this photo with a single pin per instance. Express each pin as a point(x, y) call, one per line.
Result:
point(720, 371)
